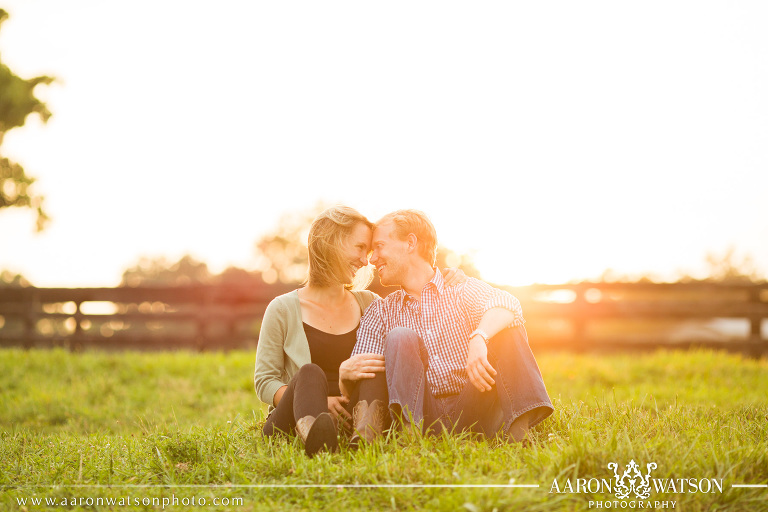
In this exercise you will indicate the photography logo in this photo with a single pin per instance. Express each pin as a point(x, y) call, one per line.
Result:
point(632, 481)
point(633, 487)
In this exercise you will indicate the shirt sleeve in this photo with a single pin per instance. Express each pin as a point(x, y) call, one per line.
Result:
point(270, 354)
point(477, 297)
point(370, 335)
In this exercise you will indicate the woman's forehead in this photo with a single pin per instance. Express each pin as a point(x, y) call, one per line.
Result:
point(361, 232)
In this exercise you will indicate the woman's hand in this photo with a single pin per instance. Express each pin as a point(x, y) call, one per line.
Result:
point(454, 276)
point(336, 408)
point(361, 366)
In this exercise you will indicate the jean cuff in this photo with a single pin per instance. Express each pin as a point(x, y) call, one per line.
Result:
point(547, 405)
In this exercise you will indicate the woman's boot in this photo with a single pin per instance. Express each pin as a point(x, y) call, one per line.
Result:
point(318, 433)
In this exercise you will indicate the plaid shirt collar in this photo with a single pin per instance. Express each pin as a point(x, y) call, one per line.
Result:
point(437, 281)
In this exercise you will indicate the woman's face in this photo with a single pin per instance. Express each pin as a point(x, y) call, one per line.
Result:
point(357, 248)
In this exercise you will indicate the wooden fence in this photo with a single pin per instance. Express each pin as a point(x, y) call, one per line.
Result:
point(584, 316)
point(609, 316)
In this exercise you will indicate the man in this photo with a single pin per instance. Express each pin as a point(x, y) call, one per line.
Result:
point(455, 356)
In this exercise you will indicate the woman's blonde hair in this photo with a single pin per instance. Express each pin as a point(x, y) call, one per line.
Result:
point(327, 235)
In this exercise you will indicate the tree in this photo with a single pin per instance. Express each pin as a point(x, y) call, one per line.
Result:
point(159, 271)
point(17, 101)
point(732, 268)
point(11, 280)
point(282, 253)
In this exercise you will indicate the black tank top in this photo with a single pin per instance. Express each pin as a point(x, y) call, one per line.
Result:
point(328, 351)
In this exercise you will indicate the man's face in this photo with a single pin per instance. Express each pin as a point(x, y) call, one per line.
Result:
point(389, 255)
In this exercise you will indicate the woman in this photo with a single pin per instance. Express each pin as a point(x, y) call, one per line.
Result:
point(307, 333)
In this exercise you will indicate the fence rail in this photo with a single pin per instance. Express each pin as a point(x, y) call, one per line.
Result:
point(582, 316)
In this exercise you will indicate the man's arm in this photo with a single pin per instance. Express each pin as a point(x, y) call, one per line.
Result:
point(477, 298)
point(490, 311)
point(495, 320)
point(479, 370)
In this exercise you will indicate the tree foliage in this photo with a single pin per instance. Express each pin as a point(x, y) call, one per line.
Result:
point(17, 101)
point(282, 253)
point(160, 271)
point(729, 267)
point(11, 280)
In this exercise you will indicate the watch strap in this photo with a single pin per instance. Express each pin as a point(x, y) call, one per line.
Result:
point(482, 334)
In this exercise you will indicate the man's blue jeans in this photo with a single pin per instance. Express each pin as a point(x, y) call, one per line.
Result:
point(519, 388)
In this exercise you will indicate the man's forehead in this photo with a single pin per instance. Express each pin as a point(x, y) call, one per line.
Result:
point(383, 231)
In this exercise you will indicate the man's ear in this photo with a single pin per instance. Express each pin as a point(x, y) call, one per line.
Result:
point(412, 241)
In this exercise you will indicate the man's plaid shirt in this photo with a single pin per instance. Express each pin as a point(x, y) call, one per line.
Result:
point(444, 319)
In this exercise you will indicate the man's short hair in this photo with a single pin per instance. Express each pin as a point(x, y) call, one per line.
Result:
point(416, 222)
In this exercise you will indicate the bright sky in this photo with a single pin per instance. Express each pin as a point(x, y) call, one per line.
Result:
point(554, 139)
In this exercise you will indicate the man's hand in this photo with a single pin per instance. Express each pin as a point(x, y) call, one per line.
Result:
point(336, 408)
point(361, 366)
point(479, 369)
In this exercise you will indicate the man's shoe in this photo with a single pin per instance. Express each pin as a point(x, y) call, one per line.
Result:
point(369, 421)
point(318, 434)
point(518, 430)
point(410, 431)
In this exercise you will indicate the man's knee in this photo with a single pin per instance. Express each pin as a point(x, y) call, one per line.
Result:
point(399, 340)
point(516, 333)
point(508, 342)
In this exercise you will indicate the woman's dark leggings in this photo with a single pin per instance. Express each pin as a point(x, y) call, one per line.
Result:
point(307, 395)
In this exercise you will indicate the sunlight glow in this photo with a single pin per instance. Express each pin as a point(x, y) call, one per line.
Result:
point(556, 142)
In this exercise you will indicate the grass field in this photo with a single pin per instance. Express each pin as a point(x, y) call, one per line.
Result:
point(185, 426)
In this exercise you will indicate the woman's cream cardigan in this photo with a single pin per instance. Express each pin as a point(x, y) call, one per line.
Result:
point(283, 346)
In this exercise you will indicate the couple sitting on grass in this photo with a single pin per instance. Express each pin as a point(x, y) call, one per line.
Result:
point(443, 352)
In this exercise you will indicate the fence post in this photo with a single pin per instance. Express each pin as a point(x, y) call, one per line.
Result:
point(756, 322)
point(30, 319)
point(579, 318)
point(77, 337)
point(232, 325)
point(203, 305)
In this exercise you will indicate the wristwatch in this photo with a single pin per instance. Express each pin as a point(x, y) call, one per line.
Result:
point(482, 334)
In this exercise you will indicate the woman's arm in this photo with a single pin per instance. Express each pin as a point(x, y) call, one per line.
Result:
point(279, 395)
point(270, 355)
